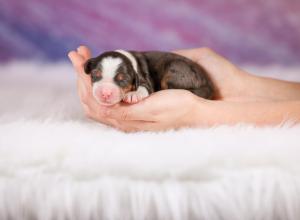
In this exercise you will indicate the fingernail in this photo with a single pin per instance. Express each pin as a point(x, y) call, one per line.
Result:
point(69, 53)
point(80, 47)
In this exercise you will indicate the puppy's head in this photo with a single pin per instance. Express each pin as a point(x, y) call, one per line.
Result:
point(113, 74)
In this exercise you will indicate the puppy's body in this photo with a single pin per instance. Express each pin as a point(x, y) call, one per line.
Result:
point(172, 71)
point(138, 74)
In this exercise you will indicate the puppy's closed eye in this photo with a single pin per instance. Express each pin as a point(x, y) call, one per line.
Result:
point(120, 77)
point(96, 72)
point(89, 65)
point(123, 80)
point(96, 75)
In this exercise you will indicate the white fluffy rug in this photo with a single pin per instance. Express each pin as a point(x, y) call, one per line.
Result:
point(55, 164)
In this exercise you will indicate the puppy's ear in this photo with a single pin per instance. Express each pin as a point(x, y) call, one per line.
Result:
point(136, 81)
point(89, 65)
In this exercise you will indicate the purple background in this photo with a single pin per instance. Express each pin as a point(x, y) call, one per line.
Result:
point(245, 31)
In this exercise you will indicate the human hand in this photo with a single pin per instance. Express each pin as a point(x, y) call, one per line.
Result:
point(84, 87)
point(229, 80)
point(162, 110)
point(165, 109)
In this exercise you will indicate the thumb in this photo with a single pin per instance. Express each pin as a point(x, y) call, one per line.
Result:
point(85, 52)
point(78, 63)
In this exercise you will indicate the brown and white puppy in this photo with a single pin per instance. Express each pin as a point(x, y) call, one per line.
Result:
point(131, 76)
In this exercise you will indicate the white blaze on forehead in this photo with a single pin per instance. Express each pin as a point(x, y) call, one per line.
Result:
point(130, 57)
point(110, 66)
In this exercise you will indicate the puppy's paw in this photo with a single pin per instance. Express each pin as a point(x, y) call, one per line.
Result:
point(136, 96)
point(132, 97)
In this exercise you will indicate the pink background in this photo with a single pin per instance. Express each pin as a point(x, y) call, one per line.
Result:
point(245, 31)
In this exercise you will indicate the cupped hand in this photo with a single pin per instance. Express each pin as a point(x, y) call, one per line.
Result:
point(164, 109)
point(84, 87)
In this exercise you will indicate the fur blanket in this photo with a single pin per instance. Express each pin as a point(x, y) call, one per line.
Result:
point(55, 164)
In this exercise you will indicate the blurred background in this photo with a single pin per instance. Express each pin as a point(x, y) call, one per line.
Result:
point(259, 32)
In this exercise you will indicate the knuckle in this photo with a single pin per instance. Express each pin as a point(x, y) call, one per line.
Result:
point(71, 53)
point(124, 115)
point(80, 47)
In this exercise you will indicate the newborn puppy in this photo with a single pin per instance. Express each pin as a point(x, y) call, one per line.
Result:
point(131, 76)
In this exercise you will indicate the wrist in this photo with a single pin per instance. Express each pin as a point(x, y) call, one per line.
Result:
point(241, 84)
point(234, 85)
point(255, 88)
point(201, 112)
point(259, 88)
point(251, 85)
point(209, 113)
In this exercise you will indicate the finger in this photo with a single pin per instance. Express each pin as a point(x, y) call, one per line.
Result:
point(109, 122)
point(106, 121)
point(78, 63)
point(95, 110)
point(124, 112)
point(76, 58)
point(85, 52)
point(135, 126)
point(91, 110)
point(84, 91)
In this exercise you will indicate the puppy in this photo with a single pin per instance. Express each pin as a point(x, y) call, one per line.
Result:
point(132, 76)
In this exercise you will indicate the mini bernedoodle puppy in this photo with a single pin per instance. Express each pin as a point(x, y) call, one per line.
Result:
point(131, 76)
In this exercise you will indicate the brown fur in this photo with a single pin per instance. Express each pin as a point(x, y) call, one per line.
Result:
point(164, 81)
point(172, 71)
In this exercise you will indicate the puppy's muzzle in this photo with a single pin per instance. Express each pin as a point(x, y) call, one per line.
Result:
point(107, 93)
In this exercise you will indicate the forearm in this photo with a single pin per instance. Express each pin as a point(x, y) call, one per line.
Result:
point(263, 88)
point(258, 113)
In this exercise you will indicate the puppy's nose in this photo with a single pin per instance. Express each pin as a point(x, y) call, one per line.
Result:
point(106, 93)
